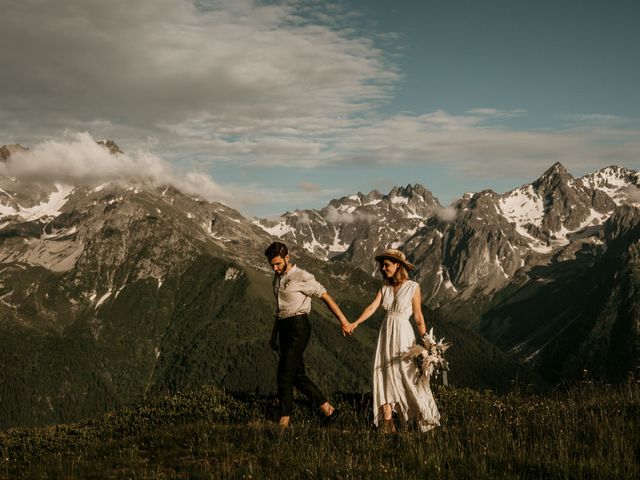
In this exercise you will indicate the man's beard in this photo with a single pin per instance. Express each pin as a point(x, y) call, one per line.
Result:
point(284, 269)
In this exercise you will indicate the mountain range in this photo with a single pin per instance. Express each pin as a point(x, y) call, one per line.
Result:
point(113, 292)
point(547, 271)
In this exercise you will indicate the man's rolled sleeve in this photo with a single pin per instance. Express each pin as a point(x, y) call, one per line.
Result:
point(311, 287)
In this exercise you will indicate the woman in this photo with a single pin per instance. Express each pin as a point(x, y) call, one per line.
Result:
point(394, 379)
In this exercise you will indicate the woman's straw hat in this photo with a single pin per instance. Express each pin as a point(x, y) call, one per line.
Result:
point(395, 256)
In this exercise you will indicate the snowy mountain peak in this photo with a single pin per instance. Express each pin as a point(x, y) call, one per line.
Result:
point(619, 183)
point(7, 150)
point(415, 191)
point(401, 191)
point(356, 225)
point(552, 178)
point(373, 196)
point(415, 196)
point(111, 146)
point(352, 201)
point(557, 206)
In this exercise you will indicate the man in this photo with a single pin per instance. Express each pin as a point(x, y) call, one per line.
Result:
point(293, 289)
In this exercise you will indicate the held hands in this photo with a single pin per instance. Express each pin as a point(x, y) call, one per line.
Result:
point(348, 328)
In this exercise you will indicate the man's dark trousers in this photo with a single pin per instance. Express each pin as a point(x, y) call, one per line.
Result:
point(294, 334)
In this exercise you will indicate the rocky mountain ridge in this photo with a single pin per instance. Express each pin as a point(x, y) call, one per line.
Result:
point(482, 239)
point(580, 314)
point(352, 227)
point(538, 270)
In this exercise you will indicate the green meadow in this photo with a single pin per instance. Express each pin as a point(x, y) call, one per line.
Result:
point(586, 431)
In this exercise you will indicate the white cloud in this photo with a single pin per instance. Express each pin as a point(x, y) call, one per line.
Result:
point(186, 74)
point(80, 160)
point(495, 113)
point(309, 187)
point(593, 118)
point(633, 193)
point(304, 218)
point(474, 144)
point(251, 83)
point(333, 215)
point(447, 214)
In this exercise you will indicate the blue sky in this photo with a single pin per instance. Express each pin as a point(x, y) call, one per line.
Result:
point(549, 57)
point(276, 106)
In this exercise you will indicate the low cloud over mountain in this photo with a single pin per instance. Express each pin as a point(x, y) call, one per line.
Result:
point(79, 159)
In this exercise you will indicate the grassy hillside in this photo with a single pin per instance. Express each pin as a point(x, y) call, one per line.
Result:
point(592, 431)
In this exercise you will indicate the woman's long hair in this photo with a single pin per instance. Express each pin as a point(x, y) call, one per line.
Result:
point(400, 276)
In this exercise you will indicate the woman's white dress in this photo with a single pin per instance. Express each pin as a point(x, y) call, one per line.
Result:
point(394, 379)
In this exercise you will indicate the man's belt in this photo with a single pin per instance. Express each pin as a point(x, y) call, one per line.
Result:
point(294, 317)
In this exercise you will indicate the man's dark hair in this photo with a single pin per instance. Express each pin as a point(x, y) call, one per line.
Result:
point(276, 249)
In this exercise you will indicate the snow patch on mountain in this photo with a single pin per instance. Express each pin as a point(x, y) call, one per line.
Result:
point(522, 206)
point(346, 208)
point(338, 245)
point(396, 200)
point(51, 208)
point(525, 208)
point(617, 182)
point(232, 274)
point(594, 218)
point(449, 285)
point(499, 265)
point(58, 233)
point(102, 299)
